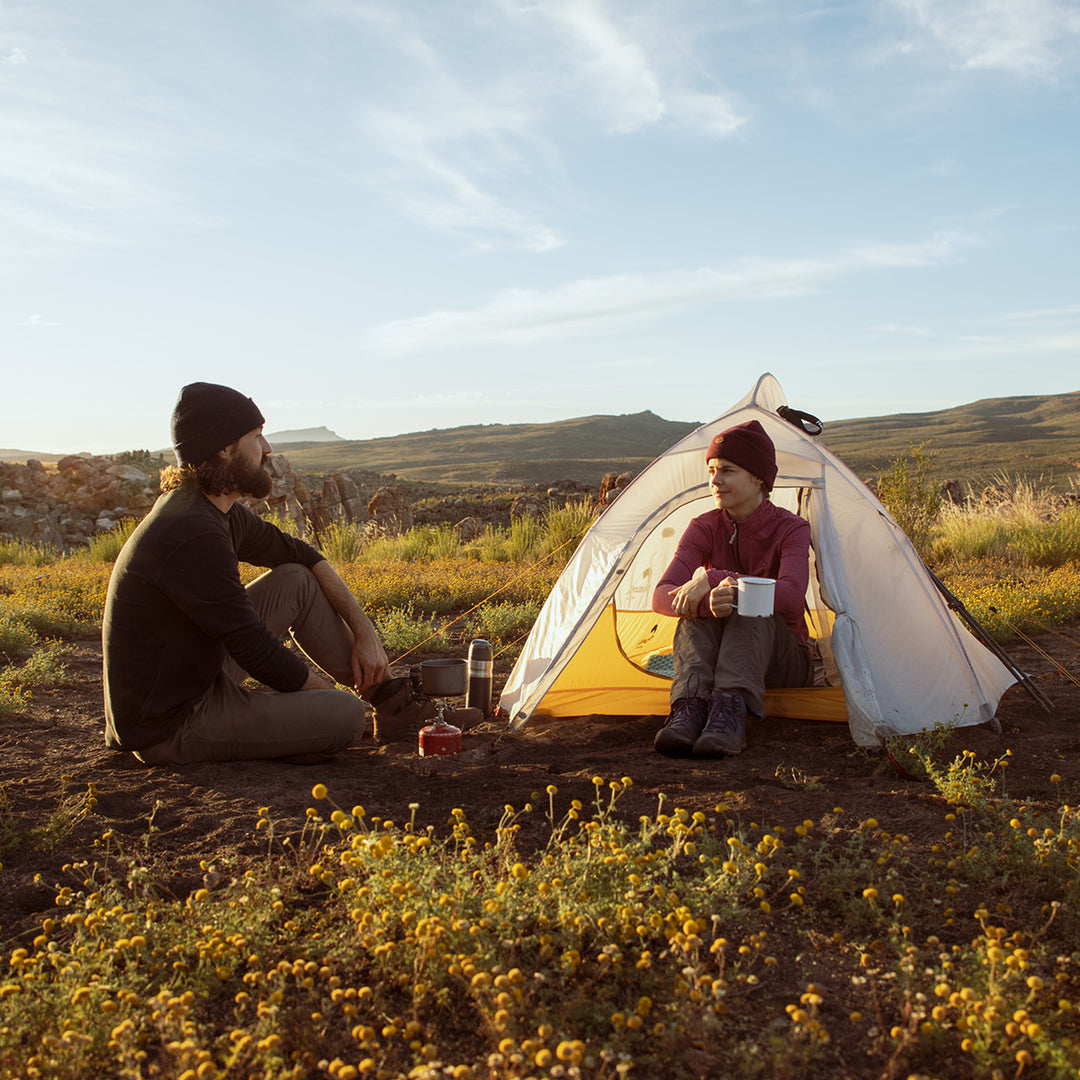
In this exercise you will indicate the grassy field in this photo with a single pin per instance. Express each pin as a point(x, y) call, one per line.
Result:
point(573, 939)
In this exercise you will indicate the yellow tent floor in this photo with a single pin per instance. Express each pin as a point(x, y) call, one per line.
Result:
point(599, 679)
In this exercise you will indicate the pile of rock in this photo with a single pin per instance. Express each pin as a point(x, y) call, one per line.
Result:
point(89, 494)
point(86, 494)
point(354, 499)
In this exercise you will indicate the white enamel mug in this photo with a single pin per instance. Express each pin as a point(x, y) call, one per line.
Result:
point(755, 597)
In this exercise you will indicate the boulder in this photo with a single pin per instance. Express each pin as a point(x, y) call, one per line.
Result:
point(531, 505)
point(86, 493)
point(468, 529)
point(391, 510)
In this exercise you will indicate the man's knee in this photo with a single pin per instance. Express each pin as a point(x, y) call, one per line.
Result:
point(346, 718)
point(292, 576)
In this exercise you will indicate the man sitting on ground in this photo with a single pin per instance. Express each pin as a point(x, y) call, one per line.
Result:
point(181, 632)
point(723, 661)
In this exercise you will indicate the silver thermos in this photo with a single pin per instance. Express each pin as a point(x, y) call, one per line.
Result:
point(481, 669)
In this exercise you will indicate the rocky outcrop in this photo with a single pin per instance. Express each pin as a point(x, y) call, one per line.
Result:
point(536, 501)
point(89, 494)
point(469, 529)
point(610, 486)
point(391, 511)
point(86, 494)
point(339, 498)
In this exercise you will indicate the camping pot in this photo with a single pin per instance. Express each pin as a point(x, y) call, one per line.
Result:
point(481, 667)
point(439, 740)
point(443, 678)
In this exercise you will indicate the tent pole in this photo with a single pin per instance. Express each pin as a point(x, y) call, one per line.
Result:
point(981, 633)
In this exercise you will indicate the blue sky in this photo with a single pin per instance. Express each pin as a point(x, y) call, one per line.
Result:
point(395, 215)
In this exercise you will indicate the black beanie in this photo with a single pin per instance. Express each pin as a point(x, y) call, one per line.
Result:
point(748, 446)
point(207, 418)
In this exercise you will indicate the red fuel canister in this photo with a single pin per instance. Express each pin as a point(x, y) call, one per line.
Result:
point(440, 740)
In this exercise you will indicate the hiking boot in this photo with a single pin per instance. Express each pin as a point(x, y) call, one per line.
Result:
point(683, 726)
point(463, 719)
point(399, 711)
point(725, 729)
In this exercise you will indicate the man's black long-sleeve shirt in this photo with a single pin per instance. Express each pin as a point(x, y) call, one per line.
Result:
point(176, 607)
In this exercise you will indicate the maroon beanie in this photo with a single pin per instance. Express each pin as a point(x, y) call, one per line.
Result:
point(209, 417)
point(747, 446)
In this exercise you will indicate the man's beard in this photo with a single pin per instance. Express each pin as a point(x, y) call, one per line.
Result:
point(251, 480)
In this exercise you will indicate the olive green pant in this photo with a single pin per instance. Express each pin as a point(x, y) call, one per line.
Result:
point(738, 653)
point(231, 723)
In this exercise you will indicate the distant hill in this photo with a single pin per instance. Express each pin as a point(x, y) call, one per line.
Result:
point(581, 449)
point(303, 435)
point(1034, 437)
point(26, 455)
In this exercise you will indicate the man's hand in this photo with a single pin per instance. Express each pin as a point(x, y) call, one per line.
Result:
point(685, 599)
point(722, 598)
point(370, 664)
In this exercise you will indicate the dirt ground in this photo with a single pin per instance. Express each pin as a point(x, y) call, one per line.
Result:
point(210, 811)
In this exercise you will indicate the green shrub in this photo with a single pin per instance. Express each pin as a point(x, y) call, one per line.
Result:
point(429, 542)
point(503, 622)
point(565, 526)
point(1050, 543)
point(911, 496)
point(420, 544)
point(1022, 524)
point(963, 536)
point(44, 667)
point(14, 701)
point(285, 524)
point(342, 543)
point(402, 631)
point(14, 552)
point(519, 543)
point(105, 546)
point(17, 636)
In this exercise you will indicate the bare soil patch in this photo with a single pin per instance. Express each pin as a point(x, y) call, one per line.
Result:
point(180, 816)
point(200, 811)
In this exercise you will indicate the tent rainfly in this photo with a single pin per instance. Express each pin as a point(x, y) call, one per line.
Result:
point(896, 659)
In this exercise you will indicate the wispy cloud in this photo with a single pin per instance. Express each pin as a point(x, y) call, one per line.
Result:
point(470, 148)
point(612, 53)
point(1068, 311)
point(434, 180)
point(626, 87)
point(1030, 38)
point(605, 305)
point(893, 328)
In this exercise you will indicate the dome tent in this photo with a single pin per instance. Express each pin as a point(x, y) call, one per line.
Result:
point(896, 658)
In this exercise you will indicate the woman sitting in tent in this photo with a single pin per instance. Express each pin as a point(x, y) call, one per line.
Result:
point(723, 661)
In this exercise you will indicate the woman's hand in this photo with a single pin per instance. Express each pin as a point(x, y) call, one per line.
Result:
point(722, 598)
point(685, 599)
